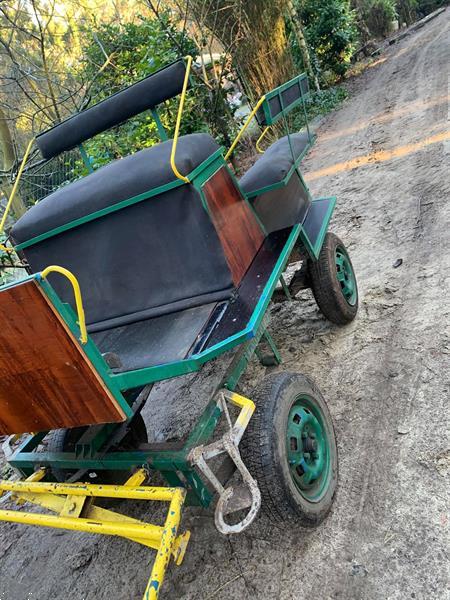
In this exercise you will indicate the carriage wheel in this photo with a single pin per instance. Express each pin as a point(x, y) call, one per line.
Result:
point(290, 448)
point(333, 281)
point(64, 440)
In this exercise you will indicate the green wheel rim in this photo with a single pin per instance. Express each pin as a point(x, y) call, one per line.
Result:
point(346, 276)
point(308, 449)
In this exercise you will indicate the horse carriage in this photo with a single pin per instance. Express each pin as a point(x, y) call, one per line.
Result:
point(144, 270)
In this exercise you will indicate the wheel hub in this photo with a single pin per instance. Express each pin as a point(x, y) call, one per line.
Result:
point(307, 449)
point(310, 444)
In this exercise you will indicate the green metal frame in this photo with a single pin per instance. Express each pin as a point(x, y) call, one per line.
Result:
point(86, 158)
point(276, 92)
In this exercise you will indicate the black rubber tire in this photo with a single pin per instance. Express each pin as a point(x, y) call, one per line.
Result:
point(325, 284)
point(263, 449)
point(64, 440)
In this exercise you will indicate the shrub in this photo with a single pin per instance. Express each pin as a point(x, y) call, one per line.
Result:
point(136, 50)
point(378, 16)
point(329, 28)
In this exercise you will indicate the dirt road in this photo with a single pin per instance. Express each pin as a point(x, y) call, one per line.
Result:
point(386, 155)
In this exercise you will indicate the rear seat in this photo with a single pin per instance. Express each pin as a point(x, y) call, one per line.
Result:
point(288, 200)
point(275, 163)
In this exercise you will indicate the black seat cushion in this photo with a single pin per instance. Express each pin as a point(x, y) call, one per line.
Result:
point(275, 163)
point(119, 180)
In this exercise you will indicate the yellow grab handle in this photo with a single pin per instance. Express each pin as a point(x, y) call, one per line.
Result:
point(77, 293)
point(178, 123)
point(16, 183)
point(260, 139)
point(246, 124)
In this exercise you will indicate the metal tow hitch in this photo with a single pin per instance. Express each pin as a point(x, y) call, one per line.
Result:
point(238, 497)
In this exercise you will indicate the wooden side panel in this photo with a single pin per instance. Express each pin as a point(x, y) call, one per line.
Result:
point(46, 381)
point(238, 230)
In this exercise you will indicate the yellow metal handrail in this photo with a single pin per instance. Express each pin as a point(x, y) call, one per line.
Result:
point(246, 124)
point(260, 139)
point(77, 293)
point(13, 193)
point(178, 122)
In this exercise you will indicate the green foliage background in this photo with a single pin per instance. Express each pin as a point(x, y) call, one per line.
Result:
point(137, 50)
point(330, 31)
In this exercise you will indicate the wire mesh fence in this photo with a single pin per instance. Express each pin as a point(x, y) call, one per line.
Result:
point(40, 180)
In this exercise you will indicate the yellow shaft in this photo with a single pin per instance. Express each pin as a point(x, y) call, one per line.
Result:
point(90, 490)
point(246, 124)
point(178, 122)
point(77, 293)
point(143, 530)
point(168, 538)
point(16, 184)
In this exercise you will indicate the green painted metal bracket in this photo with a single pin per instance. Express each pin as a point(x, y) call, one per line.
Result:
point(271, 119)
point(161, 131)
point(86, 159)
point(243, 356)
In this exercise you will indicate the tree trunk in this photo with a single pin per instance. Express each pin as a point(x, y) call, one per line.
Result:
point(9, 157)
point(298, 31)
point(254, 34)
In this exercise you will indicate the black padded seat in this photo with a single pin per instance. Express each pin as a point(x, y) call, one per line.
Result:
point(275, 163)
point(151, 258)
point(119, 180)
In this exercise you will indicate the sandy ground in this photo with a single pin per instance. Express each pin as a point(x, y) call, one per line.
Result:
point(385, 154)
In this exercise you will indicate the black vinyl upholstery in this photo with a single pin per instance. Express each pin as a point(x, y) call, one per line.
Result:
point(142, 95)
point(275, 163)
point(119, 180)
point(152, 258)
point(287, 204)
point(282, 207)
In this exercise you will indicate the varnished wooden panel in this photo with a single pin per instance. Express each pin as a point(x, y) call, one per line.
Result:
point(46, 381)
point(235, 223)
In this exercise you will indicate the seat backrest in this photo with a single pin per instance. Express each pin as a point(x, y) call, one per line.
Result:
point(150, 258)
point(145, 94)
point(134, 256)
point(282, 100)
